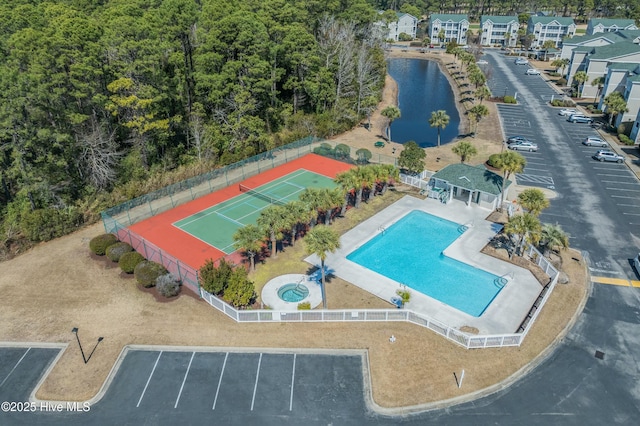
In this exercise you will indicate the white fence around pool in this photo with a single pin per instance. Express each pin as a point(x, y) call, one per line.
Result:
point(370, 315)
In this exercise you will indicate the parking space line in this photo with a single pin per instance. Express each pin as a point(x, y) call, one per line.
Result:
point(627, 205)
point(623, 189)
point(293, 378)
point(619, 183)
point(15, 366)
point(149, 379)
point(632, 214)
point(614, 175)
point(184, 380)
point(255, 386)
point(220, 381)
point(622, 196)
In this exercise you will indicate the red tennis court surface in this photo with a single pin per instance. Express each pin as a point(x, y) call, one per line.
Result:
point(160, 231)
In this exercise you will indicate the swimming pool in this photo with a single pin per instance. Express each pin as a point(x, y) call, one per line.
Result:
point(410, 252)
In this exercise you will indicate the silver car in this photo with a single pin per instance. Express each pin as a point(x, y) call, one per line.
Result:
point(606, 155)
point(568, 111)
point(593, 141)
point(523, 146)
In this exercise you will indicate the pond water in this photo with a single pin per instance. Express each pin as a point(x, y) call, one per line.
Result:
point(422, 88)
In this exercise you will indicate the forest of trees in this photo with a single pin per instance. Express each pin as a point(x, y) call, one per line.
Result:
point(103, 100)
point(99, 96)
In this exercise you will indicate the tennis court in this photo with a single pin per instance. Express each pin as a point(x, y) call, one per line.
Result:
point(217, 224)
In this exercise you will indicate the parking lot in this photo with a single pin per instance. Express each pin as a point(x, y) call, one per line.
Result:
point(596, 201)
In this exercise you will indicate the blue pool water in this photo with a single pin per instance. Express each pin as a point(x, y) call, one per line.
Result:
point(410, 252)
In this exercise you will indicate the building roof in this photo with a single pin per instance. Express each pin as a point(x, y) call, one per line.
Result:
point(628, 34)
point(612, 37)
point(498, 19)
point(614, 50)
point(474, 178)
point(607, 22)
point(400, 15)
point(544, 20)
point(444, 17)
point(622, 66)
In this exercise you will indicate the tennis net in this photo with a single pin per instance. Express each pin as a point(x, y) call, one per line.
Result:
point(262, 195)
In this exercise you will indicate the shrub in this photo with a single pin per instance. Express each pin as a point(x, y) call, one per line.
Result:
point(594, 109)
point(239, 291)
point(625, 139)
point(167, 285)
point(363, 155)
point(47, 224)
point(509, 100)
point(493, 160)
point(624, 128)
point(114, 251)
point(98, 245)
point(215, 279)
point(129, 261)
point(404, 37)
point(147, 272)
point(342, 151)
point(304, 306)
point(561, 81)
point(567, 103)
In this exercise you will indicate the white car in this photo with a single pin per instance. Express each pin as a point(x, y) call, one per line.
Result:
point(568, 111)
point(521, 61)
point(482, 62)
point(593, 141)
point(523, 146)
point(532, 71)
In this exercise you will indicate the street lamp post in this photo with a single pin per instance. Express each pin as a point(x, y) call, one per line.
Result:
point(74, 330)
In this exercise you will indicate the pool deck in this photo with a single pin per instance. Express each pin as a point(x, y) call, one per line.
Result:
point(504, 314)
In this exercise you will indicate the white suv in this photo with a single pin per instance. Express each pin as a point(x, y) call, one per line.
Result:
point(606, 155)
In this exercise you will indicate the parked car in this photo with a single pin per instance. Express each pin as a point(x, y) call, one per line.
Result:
point(532, 71)
point(568, 111)
point(579, 118)
point(606, 155)
point(482, 62)
point(593, 141)
point(521, 61)
point(524, 146)
point(515, 139)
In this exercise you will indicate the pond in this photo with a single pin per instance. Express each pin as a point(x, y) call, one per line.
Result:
point(422, 88)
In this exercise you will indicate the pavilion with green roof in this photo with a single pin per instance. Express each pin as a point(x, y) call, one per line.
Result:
point(471, 184)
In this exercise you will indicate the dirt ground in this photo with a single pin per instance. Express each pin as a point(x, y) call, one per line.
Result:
point(57, 286)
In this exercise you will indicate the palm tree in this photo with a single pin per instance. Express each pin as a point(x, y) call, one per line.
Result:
point(465, 150)
point(483, 93)
point(580, 77)
point(273, 219)
point(599, 83)
point(364, 177)
point(553, 237)
point(560, 64)
point(298, 213)
point(477, 77)
point(319, 241)
point(250, 239)
point(525, 227)
point(440, 120)
point(615, 104)
point(533, 201)
point(509, 162)
point(392, 113)
point(441, 35)
point(313, 199)
point(332, 200)
point(348, 183)
point(392, 175)
point(549, 44)
point(478, 112)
